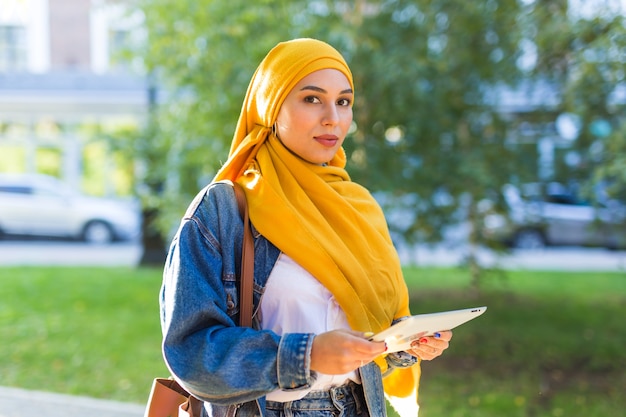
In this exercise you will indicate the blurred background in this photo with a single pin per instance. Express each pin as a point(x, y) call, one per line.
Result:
point(492, 133)
point(499, 124)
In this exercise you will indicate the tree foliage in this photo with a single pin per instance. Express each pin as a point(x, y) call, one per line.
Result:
point(201, 56)
point(425, 69)
point(430, 75)
point(584, 58)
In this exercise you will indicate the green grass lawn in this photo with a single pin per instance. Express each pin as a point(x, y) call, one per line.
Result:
point(550, 343)
point(87, 331)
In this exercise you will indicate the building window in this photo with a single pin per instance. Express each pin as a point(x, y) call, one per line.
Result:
point(13, 48)
point(118, 49)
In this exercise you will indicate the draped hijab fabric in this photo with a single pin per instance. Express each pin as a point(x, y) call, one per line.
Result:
point(328, 224)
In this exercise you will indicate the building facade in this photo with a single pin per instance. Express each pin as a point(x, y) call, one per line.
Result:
point(64, 89)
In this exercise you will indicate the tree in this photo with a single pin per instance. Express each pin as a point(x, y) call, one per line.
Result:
point(428, 74)
point(425, 126)
point(200, 55)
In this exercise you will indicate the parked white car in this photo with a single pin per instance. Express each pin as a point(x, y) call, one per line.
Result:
point(41, 205)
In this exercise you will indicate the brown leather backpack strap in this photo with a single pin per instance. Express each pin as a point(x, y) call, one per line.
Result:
point(246, 287)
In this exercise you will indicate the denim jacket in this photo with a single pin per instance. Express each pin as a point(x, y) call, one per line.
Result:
point(231, 368)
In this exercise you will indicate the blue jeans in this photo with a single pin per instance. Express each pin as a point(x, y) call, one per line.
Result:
point(344, 401)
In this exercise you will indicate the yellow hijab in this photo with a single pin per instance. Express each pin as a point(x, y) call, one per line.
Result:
point(315, 214)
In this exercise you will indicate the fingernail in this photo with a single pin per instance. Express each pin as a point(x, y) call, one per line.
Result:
point(386, 347)
point(437, 335)
point(423, 340)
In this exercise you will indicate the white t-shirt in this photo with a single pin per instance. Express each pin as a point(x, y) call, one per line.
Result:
point(295, 302)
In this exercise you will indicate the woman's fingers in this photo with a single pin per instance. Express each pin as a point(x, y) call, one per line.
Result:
point(445, 335)
point(430, 347)
point(342, 351)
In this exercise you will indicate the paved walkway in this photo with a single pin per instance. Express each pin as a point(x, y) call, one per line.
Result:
point(547, 259)
point(14, 253)
point(15, 402)
point(54, 253)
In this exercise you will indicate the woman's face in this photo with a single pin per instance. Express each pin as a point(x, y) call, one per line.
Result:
point(316, 115)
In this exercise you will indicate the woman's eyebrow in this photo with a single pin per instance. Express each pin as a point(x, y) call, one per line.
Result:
point(321, 90)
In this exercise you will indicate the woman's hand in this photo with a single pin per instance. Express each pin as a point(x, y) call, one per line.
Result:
point(430, 347)
point(341, 351)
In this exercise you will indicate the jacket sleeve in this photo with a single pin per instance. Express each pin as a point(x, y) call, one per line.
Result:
point(204, 348)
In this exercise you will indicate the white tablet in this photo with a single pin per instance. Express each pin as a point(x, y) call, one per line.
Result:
point(399, 336)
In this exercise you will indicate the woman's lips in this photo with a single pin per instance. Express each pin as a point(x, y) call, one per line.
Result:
point(327, 140)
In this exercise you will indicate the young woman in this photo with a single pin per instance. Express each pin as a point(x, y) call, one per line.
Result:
point(326, 272)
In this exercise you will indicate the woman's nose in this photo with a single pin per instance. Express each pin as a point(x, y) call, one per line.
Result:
point(331, 115)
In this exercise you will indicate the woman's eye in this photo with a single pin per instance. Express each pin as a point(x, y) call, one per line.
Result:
point(311, 99)
point(343, 102)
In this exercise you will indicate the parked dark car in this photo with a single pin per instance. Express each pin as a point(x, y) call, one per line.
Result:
point(40, 205)
point(555, 215)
